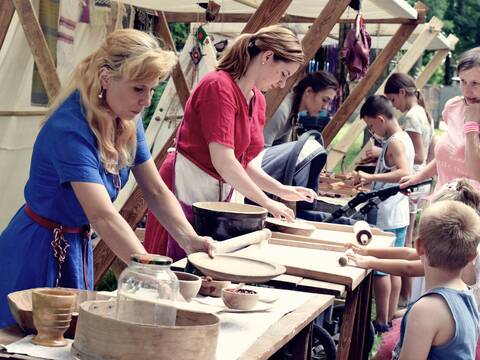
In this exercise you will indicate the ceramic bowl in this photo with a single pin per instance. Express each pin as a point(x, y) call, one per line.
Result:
point(212, 287)
point(224, 220)
point(242, 299)
point(189, 284)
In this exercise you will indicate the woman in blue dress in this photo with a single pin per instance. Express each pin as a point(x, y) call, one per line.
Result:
point(82, 157)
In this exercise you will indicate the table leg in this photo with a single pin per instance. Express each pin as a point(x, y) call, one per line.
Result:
point(358, 348)
point(348, 322)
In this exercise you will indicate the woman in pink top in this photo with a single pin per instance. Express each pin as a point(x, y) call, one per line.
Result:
point(457, 153)
point(222, 131)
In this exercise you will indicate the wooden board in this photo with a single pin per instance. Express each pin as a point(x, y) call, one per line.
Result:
point(337, 238)
point(309, 263)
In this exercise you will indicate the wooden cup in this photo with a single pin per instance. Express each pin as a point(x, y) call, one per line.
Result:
point(52, 313)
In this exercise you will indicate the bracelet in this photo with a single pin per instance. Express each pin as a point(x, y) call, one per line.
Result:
point(470, 127)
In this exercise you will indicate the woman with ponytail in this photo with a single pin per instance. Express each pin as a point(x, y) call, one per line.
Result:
point(92, 137)
point(222, 131)
point(314, 93)
point(416, 122)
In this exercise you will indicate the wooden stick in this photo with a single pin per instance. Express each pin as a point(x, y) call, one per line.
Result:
point(38, 45)
point(7, 9)
point(306, 244)
point(268, 13)
point(239, 242)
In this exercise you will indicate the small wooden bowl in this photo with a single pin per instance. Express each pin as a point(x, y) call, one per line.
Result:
point(212, 287)
point(189, 284)
point(242, 299)
point(20, 303)
point(296, 228)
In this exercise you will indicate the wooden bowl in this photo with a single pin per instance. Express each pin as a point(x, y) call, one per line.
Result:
point(224, 220)
point(296, 228)
point(20, 303)
point(189, 284)
point(241, 299)
point(100, 335)
point(212, 287)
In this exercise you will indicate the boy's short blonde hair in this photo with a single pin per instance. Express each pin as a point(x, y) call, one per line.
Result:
point(450, 234)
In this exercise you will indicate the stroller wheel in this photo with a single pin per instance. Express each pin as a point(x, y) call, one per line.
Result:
point(323, 346)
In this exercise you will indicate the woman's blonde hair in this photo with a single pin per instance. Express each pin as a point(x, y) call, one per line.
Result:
point(129, 54)
point(280, 40)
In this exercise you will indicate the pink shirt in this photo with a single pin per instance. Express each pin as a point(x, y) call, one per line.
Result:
point(450, 149)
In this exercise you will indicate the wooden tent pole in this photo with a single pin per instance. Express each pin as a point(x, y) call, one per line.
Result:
point(362, 88)
point(38, 45)
point(7, 9)
point(311, 42)
point(429, 32)
point(268, 13)
point(436, 61)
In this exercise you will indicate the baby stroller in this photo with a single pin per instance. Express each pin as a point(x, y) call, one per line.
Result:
point(299, 163)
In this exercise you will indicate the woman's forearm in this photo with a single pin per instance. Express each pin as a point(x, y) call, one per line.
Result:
point(472, 154)
point(224, 161)
point(117, 234)
point(263, 180)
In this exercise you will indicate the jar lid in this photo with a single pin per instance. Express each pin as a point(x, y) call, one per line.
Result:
point(151, 259)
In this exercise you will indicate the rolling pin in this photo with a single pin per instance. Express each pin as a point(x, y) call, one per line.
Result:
point(362, 232)
point(239, 242)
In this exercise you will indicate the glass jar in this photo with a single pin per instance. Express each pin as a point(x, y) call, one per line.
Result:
point(147, 290)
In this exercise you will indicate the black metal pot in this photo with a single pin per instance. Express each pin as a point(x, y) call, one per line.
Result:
point(223, 220)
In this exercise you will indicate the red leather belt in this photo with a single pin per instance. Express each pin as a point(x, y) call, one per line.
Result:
point(59, 244)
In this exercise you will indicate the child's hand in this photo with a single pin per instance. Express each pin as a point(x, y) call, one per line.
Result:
point(363, 178)
point(357, 249)
point(360, 261)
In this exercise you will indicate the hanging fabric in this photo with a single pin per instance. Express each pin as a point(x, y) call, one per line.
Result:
point(356, 49)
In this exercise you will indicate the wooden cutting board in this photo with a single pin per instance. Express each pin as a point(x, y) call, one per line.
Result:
point(309, 263)
point(339, 235)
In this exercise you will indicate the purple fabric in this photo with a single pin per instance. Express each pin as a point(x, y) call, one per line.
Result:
point(85, 16)
point(355, 51)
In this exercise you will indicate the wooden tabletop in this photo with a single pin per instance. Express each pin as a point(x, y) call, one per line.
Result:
point(266, 345)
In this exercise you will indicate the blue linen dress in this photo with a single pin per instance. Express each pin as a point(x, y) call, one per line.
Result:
point(64, 151)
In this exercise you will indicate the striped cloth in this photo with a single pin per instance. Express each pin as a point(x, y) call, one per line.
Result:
point(48, 18)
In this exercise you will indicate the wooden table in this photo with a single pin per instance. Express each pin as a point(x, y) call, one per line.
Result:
point(294, 328)
point(301, 261)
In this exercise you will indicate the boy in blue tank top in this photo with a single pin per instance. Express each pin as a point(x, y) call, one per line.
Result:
point(443, 323)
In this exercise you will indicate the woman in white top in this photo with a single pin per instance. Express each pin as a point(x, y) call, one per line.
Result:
point(314, 93)
point(402, 91)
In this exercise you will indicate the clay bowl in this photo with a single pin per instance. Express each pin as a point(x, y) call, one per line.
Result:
point(296, 228)
point(20, 303)
point(223, 220)
point(189, 284)
point(212, 287)
point(241, 299)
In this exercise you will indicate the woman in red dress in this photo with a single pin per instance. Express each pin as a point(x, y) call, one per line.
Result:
point(222, 131)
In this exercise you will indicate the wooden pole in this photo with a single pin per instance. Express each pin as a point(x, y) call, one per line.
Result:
point(363, 87)
point(429, 32)
point(7, 9)
point(268, 13)
point(38, 45)
point(313, 39)
point(436, 61)
point(161, 28)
